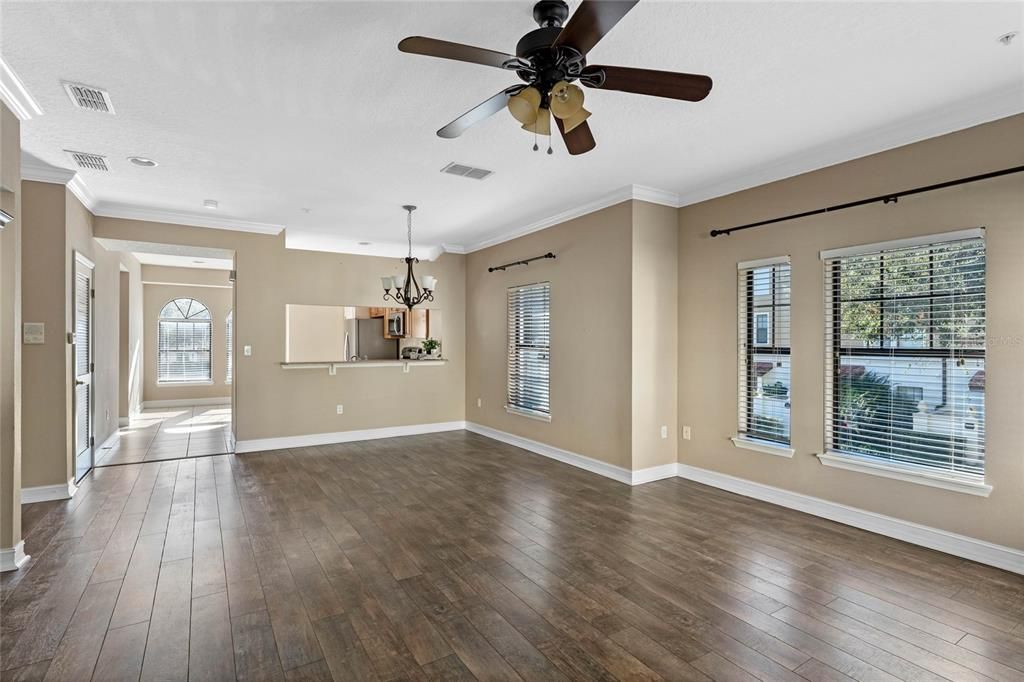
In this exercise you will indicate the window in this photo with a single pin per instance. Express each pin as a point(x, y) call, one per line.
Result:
point(183, 342)
point(764, 365)
point(529, 350)
point(905, 346)
point(229, 337)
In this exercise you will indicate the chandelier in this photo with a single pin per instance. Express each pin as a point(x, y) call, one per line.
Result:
point(407, 289)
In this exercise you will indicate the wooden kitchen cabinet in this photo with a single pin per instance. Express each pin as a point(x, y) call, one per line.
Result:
point(378, 312)
point(417, 326)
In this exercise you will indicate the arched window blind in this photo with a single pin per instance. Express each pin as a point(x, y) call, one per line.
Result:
point(905, 353)
point(529, 350)
point(764, 364)
point(183, 342)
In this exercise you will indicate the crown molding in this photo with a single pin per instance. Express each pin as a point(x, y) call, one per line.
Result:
point(77, 187)
point(15, 95)
point(38, 170)
point(627, 193)
point(653, 195)
point(973, 112)
point(108, 209)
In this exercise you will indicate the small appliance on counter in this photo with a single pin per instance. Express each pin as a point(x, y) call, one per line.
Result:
point(412, 353)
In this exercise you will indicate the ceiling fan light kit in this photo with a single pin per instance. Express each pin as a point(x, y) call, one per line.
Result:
point(549, 60)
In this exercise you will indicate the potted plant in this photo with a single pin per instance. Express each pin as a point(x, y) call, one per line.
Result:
point(432, 347)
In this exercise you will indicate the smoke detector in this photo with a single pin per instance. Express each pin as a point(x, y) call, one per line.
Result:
point(210, 203)
point(96, 162)
point(465, 171)
point(89, 98)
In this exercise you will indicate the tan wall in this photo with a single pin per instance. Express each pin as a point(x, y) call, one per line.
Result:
point(45, 425)
point(590, 333)
point(200, 277)
point(60, 226)
point(707, 318)
point(655, 307)
point(273, 402)
point(10, 331)
point(219, 301)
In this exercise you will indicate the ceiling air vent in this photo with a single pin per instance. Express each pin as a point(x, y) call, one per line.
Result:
point(89, 98)
point(465, 171)
point(88, 161)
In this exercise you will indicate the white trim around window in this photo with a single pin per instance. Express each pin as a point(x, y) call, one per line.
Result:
point(539, 416)
point(767, 447)
point(935, 479)
point(909, 242)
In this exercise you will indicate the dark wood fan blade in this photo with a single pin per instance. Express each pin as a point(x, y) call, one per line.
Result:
point(591, 22)
point(478, 113)
point(686, 86)
point(432, 47)
point(579, 140)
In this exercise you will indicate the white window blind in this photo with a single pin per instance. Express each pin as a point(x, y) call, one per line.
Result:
point(905, 355)
point(230, 343)
point(529, 349)
point(183, 342)
point(764, 360)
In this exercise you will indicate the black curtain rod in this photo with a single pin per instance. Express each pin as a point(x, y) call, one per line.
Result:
point(885, 198)
point(520, 262)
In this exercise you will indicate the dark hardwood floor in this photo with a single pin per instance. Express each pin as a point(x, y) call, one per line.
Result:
point(451, 556)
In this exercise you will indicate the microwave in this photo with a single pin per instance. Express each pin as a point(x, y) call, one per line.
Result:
point(396, 324)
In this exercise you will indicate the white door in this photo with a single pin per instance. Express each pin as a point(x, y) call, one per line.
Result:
point(83, 365)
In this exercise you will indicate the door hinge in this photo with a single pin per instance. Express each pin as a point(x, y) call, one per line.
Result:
point(92, 441)
point(71, 338)
point(92, 367)
point(92, 293)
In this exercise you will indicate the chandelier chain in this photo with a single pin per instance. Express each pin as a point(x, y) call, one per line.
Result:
point(409, 225)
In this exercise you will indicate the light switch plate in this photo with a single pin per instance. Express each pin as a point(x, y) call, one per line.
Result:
point(34, 332)
point(247, 351)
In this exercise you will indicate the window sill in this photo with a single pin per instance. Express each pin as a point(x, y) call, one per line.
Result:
point(767, 447)
point(208, 382)
point(529, 415)
point(903, 473)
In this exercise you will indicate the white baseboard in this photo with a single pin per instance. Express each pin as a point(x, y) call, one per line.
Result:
point(184, 402)
point(1006, 558)
point(651, 474)
point(111, 440)
point(48, 493)
point(595, 466)
point(261, 444)
point(13, 558)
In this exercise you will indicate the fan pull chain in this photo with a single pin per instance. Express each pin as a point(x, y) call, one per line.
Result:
point(535, 146)
point(550, 151)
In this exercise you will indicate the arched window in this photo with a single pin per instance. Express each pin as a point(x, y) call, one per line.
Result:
point(230, 337)
point(183, 342)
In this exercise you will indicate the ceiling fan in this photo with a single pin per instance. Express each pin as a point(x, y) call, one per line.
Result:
point(549, 59)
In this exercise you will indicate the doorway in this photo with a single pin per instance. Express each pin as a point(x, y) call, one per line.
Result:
point(83, 364)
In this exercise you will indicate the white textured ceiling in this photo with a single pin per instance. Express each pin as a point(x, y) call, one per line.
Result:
point(270, 108)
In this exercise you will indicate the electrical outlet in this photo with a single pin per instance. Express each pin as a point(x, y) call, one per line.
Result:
point(686, 433)
point(247, 351)
point(341, 409)
point(479, 402)
point(664, 432)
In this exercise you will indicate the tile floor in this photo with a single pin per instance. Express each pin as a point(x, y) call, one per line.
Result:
point(172, 433)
